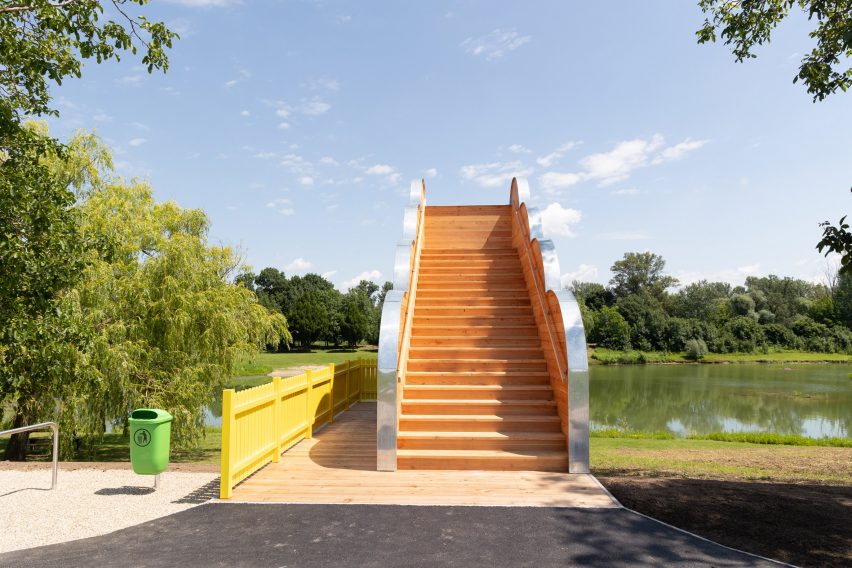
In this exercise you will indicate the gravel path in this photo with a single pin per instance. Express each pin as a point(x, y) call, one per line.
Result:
point(90, 502)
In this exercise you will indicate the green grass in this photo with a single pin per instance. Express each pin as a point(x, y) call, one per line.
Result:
point(267, 362)
point(601, 356)
point(775, 439)
point(631, 434)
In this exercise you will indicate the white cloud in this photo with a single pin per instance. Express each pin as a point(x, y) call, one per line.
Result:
point(557, 220)
point(749, 270)
point(132, 80)
point(553, 157)
point(282, 205)
point(137, 142)
point(380, 170)
point(554, 181)
point(330, 84)
point(624, 236)
point(495, 44)
point(616, 165)
point(231, 83)
point(315, 107)
point(328, 161)
point(284, 125)
point(371, 275)
point(678, 150)
point(298, 265)
point(430, 173)
point(626, 191)
point(495, 174)
point(328, 275)
point(245, 113)
point(584, 273)
point(282, 112)
point(519, 149)
point(306, 180)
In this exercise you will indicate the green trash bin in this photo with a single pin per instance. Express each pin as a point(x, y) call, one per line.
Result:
point(150, 439)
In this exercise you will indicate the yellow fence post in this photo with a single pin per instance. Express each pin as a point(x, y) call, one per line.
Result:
point(278, 419)
point(228, 443)
point(309, 415)
point(331, 392)
point(346, 403)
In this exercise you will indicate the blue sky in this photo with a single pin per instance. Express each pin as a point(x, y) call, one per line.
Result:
point(298, 126)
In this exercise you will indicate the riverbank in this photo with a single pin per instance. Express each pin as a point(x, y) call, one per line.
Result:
point(601, 356)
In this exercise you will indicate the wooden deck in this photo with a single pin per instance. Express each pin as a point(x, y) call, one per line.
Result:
point(338, 465)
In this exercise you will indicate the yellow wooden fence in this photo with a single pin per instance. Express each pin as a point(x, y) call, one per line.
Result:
point(260, 423)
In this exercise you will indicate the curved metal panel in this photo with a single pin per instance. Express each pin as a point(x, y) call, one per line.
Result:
point(534, 220)
point(415, 191)
point(401, 265)
point(578, 383)
point(523, 190)
point(409, 223)
point(550, 265)
point(386, 416)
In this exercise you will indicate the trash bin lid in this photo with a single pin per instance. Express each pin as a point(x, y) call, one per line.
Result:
point(150, 416)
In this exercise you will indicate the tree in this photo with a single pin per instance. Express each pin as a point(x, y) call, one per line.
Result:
point(40, 258)
point(700, 300)
point(271, 287)
point(308, 318)
point(356, 308)
point(611, 330)
point(695, 349)
point(640, 271)
point(837, 240)
point(593, 294)
point(746, 24)
point(42, 41)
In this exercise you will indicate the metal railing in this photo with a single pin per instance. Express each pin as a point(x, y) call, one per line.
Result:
point(52, 426)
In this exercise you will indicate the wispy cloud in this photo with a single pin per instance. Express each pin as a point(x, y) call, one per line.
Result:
point(315, 107)
point(282, 205)
point(135, 142)
point(430, 173)
point(584, 273)
point(388, 172)
point(306, 180)
point(371, 275)
point(626, 191)
point(550, 159)
point(299, 265)
point(557, 220)
point(496, 44)
point(495, 174)
point(616, 165)
point(519, 149)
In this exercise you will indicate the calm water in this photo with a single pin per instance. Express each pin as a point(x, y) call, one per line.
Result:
point(809, 400)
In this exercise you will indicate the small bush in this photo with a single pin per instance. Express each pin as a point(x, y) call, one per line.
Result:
point(696, 349)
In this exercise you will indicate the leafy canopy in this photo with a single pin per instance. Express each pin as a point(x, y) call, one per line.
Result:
point(746, 24)
point(43, 41)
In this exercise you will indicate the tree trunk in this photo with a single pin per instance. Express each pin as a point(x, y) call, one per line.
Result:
point(18, 443)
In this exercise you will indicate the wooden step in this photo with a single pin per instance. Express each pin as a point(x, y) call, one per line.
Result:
point(491, 263)
point(452, 299)
point(425, 309)
point(455, 364)
point(477, 378)
point(478, 392)
point(516, 460)
point(511, 441)
point(529, 340)
point(467, 271)
point(472, 406)
point(508, 353)
point(462, 211)
point(486, 330)
point(479, 423)
point(434, 254)
point(493, 321)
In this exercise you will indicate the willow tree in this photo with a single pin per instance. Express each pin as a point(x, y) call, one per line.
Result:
point(158, 320)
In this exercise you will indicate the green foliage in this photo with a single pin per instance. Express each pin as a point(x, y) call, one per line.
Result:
point(356, 308)
point(695, 350)
point(837, 240)
point(640, 272)
point(631, 434)
point(308, 317)
point(611, 330)
point(700, 300)
point(742, 304)
point(744, 334)
point(745, 25)
point(774, 439)
point(42, 41)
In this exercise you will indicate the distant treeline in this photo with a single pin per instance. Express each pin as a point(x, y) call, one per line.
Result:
point(316, 310)
point(637, 311)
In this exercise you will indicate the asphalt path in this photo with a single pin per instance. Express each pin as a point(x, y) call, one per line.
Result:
point(307, 536)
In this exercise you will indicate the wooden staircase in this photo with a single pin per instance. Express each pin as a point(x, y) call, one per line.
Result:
point(477, 393)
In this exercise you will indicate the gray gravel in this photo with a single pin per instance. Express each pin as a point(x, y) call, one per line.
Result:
point(90, 502)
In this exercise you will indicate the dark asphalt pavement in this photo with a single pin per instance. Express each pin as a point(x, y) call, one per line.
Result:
point(307, 536)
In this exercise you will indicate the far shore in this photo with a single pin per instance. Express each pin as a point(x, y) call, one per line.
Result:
point(601, 356)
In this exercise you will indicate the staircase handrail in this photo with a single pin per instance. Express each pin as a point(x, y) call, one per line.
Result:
point(395, 327)
point(568, 340)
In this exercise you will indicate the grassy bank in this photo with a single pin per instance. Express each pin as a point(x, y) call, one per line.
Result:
point(601, 356)
point(761, 438)
point(267, 362)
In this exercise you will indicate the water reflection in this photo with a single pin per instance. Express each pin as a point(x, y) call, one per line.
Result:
point(808, 400)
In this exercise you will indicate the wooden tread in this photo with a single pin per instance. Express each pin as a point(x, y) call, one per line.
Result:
point(539, 460)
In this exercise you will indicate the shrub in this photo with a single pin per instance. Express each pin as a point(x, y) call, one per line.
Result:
point(696, 349)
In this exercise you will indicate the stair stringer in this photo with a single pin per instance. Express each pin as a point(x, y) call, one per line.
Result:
point(560, 326)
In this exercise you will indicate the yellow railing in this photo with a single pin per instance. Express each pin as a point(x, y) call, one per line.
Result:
point(260, 423)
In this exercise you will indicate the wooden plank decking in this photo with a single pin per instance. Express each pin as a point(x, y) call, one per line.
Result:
point(338, 465)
